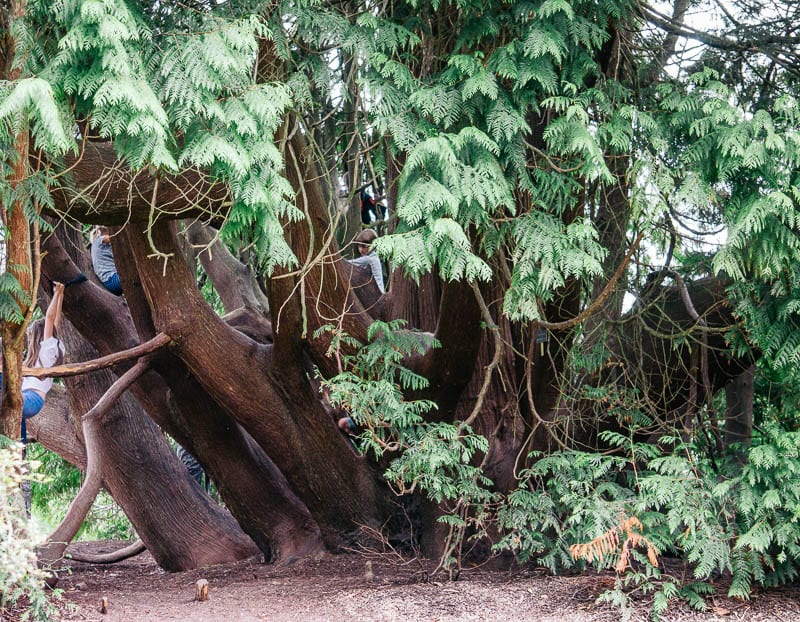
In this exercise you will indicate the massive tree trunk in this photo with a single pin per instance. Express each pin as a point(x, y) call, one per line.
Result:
point(287, 421)
point(154, 490)
point(248, 481)
point(152, 486)
point(20, 258)
point(245, 477)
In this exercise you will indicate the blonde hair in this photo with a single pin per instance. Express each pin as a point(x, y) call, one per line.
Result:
point(33, 344)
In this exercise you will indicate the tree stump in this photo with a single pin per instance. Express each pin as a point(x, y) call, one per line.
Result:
point(201, 590)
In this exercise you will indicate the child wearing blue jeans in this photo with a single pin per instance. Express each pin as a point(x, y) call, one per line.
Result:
point(103, 260)
point(43, 350)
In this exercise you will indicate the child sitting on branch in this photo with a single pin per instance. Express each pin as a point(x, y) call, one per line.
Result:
point(103, 260)
point(367, 257)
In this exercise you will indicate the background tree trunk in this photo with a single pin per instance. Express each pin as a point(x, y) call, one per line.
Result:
point(18, 259)
point(739, 408)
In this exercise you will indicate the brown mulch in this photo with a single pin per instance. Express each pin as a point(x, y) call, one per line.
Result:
point(338, 587)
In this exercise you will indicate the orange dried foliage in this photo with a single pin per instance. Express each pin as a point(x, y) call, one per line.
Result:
point(609, 543)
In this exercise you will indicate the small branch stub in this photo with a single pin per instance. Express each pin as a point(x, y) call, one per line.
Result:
point(201, 590)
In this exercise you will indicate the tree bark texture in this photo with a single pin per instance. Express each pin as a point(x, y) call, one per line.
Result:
point(55, 428)
point(287, 421)
point(103, 191)
point(739, 408)
point(18, 260)
point(180, 525)
point(156, 488)
point(663, 371)
point(167, 410)
point(234, 282)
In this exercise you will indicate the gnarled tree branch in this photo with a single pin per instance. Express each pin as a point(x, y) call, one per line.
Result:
point(161, 340)
point(53, 549)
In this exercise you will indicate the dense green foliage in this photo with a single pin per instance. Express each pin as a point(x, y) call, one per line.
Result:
point(720, 518)
point(433, 458)
point(516, 124)
point(21, 582)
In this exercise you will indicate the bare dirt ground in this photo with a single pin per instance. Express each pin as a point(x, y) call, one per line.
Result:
point(338, 587)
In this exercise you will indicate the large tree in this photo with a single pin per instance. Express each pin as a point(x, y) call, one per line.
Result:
point(537, 160)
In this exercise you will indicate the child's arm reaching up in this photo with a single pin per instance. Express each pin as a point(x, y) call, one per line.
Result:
point(52, 318)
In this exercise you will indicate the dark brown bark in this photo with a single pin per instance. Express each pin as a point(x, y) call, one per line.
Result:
point(52, 551)
point(323, 280)
point(249, 483)
point(739, 408)
point(114, 557)
point(102, 190)
point(450, 367)
point(251, 324)
point(18, 262)
point(305, 446)
point(360, 281)
point(500, 418)
point(547, 360)
point(181, 526)
point(416, 303)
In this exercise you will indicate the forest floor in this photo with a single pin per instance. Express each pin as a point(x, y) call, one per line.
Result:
point(338, 587)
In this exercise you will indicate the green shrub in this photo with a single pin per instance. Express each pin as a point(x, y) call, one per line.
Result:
point(435, 459)
point(720, 518)
point(20, 579)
